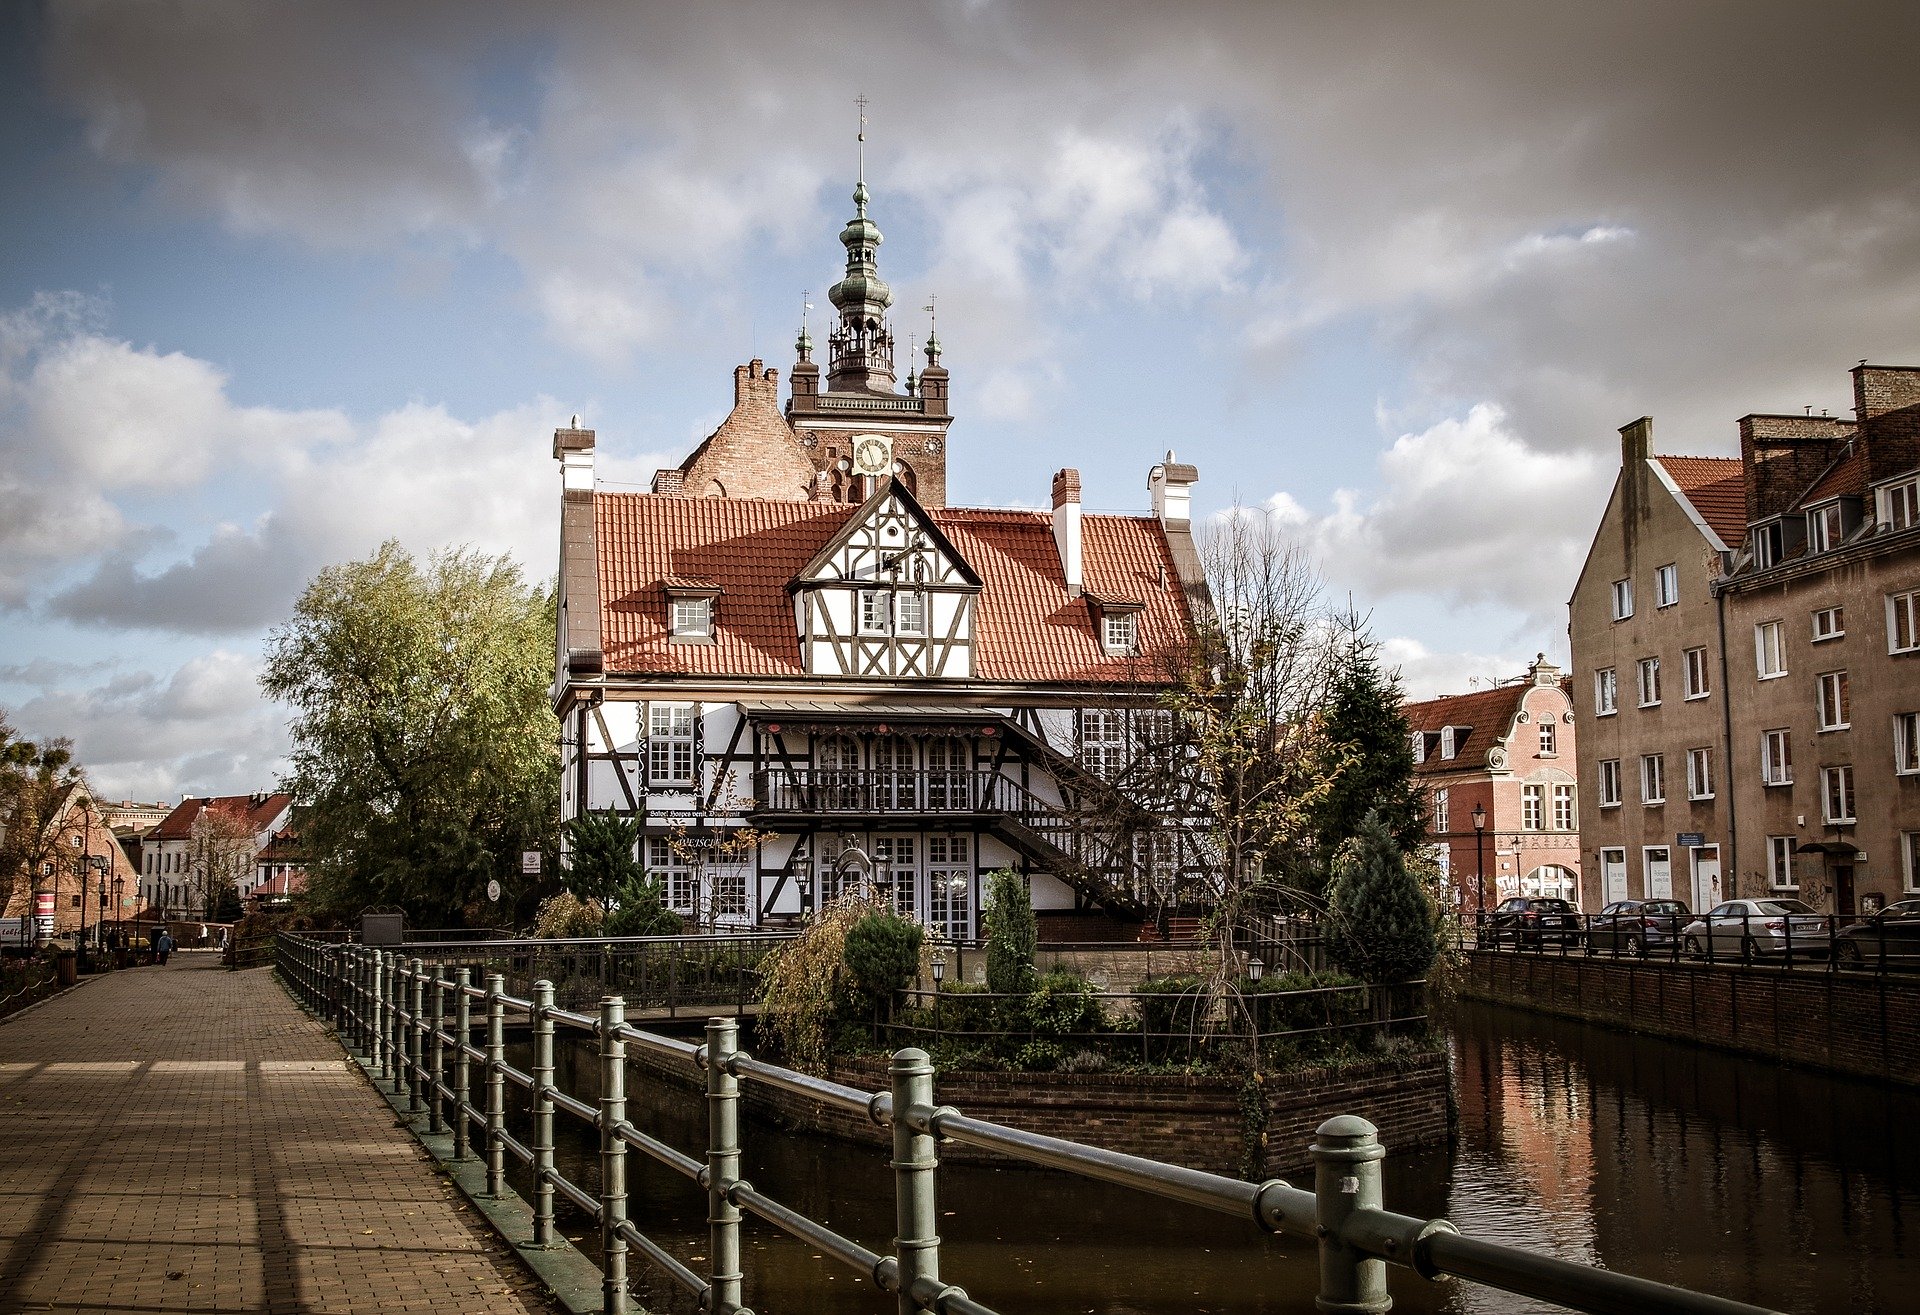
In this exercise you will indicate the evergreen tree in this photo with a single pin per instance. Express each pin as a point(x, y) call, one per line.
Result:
point(1367, 735)
point(602, 851)
point(1382, 923)
point(1011, 934)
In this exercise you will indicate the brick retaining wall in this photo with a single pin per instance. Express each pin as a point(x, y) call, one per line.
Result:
point(1853, 1023)
point(1193, 1121)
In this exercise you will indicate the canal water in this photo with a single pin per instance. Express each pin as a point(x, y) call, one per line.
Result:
point(1783, 1188)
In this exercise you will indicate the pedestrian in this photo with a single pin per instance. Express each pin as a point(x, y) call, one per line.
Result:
point(163, 946)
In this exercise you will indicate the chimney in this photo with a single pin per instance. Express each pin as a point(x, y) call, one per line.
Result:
point(1636, 441)
point(1066, 526)
point(573, 449)
point(671, 482)
point(1171, 485)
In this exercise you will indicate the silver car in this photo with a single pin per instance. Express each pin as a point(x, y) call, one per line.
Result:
point(1743, 927)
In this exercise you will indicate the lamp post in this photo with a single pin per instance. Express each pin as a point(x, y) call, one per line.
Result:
point(805, 878)
point(1255, 969)
point(1480, 860)
point(100, 865)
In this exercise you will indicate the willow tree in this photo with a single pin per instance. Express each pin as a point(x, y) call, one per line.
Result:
point(423, 743)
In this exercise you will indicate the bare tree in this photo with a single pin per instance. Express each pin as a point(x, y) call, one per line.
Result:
point(220, 854)
point(44, 802)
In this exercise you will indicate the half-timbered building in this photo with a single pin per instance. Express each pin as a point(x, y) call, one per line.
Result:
point(837, 663)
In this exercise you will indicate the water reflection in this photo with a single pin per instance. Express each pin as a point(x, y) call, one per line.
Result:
point(1781, 1188)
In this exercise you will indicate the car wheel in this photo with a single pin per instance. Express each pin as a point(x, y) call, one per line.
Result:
point(1848, 952)
point(1693, 948)
point(1636, 947)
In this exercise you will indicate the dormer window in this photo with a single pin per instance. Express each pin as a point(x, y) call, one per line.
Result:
point(1449, 746)
point(693, 618)
point(1899, 506)
point(1766, 545)
point(1418, 742)
point(1120, 633)
point(1824, 528)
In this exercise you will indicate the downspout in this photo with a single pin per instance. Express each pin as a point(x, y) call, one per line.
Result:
point(1731, 867)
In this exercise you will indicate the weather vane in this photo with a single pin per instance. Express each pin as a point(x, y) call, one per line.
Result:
point(805, 305)
point(861, 101)
point(933, 322)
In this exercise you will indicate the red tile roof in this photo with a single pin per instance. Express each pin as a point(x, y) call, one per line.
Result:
point(1849, 476)
point(1488, 711)
point(1717, 490)
point(1026, 628)
point(259, 811)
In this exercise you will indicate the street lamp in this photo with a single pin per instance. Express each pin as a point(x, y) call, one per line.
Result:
point(1480, 858)
point(100, 864)
point(805, 878)
point(939, 967)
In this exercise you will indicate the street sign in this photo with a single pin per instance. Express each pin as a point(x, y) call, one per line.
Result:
point(493, 891)
point(1689, 840)
point(530, 862)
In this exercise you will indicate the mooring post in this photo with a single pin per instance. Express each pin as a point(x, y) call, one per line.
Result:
point(462, 1067)
point(416, 1007)
point(613, 1156)
point(496, 1085)
point(916, 1244)
point(1346, 1177)
point(542, 1113)
point(437, 1072)
point(723, 1165)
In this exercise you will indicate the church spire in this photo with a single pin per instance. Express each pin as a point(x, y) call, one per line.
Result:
point(861, 346)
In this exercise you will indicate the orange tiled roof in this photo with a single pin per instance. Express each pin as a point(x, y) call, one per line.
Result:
point(1849, 476)
point(1026, 628)
point(1488, 711)
point(1717, 490)
point(256, 810)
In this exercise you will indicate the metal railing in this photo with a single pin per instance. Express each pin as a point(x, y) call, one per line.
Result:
point(858, 790)
point(1816, 942)
point(670, 976)
point(409, 1017)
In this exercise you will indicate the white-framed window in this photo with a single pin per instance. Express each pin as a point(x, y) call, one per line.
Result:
point(693, 618)
point(876, 606)
point(1780, 863)
point(1766, 545)
point(1823, 528)
point(1653, 778)
point(1549, 737)
point(1903, 622)
point(1769, 649)
point(1666, 585)
point(1417, 741)
point(670, 743)
point(1899, 504)
point(1699, 773)
point(1119, 632)
point(1622, 599)
point(1834, 700)
point(673, 873)
point(1657, 863)
point(1910, 859)
point(1533, 808)
point(1606, 692)
point(1103, 741)
point(910, 612)
point(1648, 669)
point(894, 859)
point(1836, 793)
point(1566, 817)
point(1609, 782)
point(728, 896)
point(1699, 681)
point(1829, 623)
point(1906, 743)
point(1441, 814)
point(1776, 757)
point(1449, 746)
point(950, 886)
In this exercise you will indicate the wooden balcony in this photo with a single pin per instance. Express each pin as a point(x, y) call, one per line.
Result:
point(837, 792)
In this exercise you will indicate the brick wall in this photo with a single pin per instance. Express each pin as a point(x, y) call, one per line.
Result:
point(1846, 1022)
point(1192, 1121)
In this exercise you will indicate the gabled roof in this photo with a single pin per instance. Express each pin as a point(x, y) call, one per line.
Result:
point(892, 490)
point(1847, 476)
point(1489, 712)
point(1716, 489)
point(1026, 627)
point(257, 810)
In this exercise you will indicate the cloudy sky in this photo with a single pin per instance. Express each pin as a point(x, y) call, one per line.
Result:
point(280, 281)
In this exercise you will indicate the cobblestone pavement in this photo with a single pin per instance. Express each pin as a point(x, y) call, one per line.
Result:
point(184, 1138)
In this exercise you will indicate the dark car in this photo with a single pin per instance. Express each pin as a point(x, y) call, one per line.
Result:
point(1891, 936)
point(1635, 926)
point(1533, 920)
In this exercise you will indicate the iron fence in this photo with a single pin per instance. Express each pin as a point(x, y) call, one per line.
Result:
point(1816, 942)
point(414, 1024)
point(658, 976)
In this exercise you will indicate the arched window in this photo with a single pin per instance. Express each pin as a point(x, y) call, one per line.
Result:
point(949, 773)
point(837, 778)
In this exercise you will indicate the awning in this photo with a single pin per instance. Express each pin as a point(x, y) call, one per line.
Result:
point(1832, 849)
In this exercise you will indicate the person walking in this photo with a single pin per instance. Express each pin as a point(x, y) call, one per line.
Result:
point(163, 946)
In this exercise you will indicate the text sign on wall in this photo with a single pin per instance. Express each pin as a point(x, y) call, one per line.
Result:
point(1689, 840)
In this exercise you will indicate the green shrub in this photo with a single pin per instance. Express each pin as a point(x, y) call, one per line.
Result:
point(1011, 934)
point(1382, 920)
point(563, 917)
point(602, 856)
point(1064, 1004)
point(1305, 1002)
point(962, 1008)
point(882, 954)
point(1173, 1012)
point(643, 911)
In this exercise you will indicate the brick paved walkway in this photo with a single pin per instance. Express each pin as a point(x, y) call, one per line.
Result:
point(184, 1138)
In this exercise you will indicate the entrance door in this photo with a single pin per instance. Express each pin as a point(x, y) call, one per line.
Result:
point(1843, 889)
point(1706, 877)
point(1613, 873)
point(1659, 871)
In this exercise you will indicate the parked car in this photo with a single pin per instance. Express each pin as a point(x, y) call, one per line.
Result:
point(1758, 926)
point(1635, 926)
point(1891, 936)
point(1533, 920)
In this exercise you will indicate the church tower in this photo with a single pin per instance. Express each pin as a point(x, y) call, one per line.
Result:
point(860, 429)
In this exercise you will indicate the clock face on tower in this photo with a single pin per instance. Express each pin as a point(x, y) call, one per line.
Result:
point(873, 454)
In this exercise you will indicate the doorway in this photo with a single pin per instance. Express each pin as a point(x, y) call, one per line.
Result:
point(1613, 874)
point(1843, 889)
point(1706, 877)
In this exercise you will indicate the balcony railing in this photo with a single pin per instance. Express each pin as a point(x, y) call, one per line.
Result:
point(814, 790)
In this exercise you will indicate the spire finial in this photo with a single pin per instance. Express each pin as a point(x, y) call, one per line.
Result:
point(860, 177)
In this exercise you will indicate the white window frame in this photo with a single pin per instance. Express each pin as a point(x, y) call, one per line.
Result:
point(950, 886)
point(1903, 614)
point(1417, 741)
point(1653, 778)
point(670, 730)
point(1666, 585)
point(1770, 650)
point(1698, 675)
point(1825, 527)
point(1103, 741)
point(876, 611)
point(1838, 803)
point(910, 612)
point(1647, 862)
point(1566, 808)
point(1449, 746)
point(1767, 544)
point(675, 875)
point(1906, 743)
point(1829, 623)
point(1622, 599)
point(1549, 738)
point(1897, 505)
point(1647, 679)
point(1833, 701)
point(1776, 756)
point(1610, 783)
point(897, 857)
point(1780, 863)
point(692, 618)
point(1533, 808)
point(1700, 773)
point(1910, 860)
point(1606, 692)
point(1120, 633)
point(1441, 812)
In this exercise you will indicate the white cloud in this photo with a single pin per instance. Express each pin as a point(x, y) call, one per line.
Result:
point(1426, 674)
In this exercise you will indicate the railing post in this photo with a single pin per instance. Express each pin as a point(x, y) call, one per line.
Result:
point(542, 1113)
point(437, 1071)
point(916, 1217)
point(613, 1157)
point(390, 1017)
point(496, 1085)
point(462, 1065)
point(723, 1165)
point(1346, 1177)
point(416, 1006)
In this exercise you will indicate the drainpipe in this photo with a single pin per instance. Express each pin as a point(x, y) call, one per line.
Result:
point(1731, 868)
